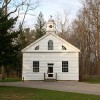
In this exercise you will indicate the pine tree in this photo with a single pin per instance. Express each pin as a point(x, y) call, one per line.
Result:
point(39, 27)
point(8, 40)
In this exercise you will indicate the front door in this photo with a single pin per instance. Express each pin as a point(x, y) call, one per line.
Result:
point(50, 70)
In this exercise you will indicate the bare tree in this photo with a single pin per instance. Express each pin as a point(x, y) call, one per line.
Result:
point(19, 8)
point(62, 25)
point(86, 28)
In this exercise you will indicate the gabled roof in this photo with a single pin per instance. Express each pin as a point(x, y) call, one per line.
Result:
point(23, 50)
point(34, 42)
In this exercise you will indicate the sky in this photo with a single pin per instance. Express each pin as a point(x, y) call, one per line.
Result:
point(52, 7)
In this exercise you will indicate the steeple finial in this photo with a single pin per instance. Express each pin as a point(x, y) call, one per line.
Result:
point(50, 16)
point(50, 19)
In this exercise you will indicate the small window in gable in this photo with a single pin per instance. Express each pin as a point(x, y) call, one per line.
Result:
point(37, 47)
point(63, 48)
point(50, 45)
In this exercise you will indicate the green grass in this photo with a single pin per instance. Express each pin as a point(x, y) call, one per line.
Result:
point(92, 80)
point(20, 93)
point(10, 80)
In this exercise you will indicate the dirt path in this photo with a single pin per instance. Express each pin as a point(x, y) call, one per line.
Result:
point(68, 86)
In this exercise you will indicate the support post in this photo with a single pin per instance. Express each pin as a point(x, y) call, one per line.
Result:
point(56, 76)
point(23, 79)
point(44, 76)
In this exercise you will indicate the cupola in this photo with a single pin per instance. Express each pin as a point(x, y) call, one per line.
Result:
point(50, 27)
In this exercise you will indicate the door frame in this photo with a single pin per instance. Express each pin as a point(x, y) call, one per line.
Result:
point(50, 74)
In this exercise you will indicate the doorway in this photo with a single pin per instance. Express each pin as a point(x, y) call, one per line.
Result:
point(50, 70)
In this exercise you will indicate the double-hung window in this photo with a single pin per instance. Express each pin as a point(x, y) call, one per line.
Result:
point(35, 66)
point(64, 66)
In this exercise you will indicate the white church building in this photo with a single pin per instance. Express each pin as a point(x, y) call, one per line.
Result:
point(50, 57)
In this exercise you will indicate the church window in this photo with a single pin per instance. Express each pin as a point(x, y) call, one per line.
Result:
point(63, 47)
point(37, 47)
point(64, 66)
point(50, 45)
point(35, 66)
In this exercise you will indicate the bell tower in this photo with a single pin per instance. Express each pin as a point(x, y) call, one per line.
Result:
point(50, 27)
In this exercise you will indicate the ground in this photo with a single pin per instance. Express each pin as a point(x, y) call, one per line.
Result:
point(22, 93)
point(67, 86)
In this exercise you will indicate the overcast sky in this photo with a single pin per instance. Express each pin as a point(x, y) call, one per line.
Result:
point(51, 7)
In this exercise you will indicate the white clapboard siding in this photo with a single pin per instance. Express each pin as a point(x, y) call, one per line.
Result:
point(44, 59)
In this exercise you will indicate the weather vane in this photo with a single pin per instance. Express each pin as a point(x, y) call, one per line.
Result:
point(50, 16)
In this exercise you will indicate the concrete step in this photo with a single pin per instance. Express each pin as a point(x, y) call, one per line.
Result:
point(50, 80)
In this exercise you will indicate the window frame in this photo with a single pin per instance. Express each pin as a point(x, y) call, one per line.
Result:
point(50, 45)
point(37, 47)
point(63, 48)
point(35, 66)
point(65, 66)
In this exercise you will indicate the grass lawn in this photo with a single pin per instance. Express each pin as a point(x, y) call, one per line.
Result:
point(19, 93)
point(92, 80)
point(10, 80)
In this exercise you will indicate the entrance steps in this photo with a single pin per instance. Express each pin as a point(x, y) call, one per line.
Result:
point(50, 80)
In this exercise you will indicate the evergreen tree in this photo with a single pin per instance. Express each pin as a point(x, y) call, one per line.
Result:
point(39, 27)
point(22, 38)
point(8, 40)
